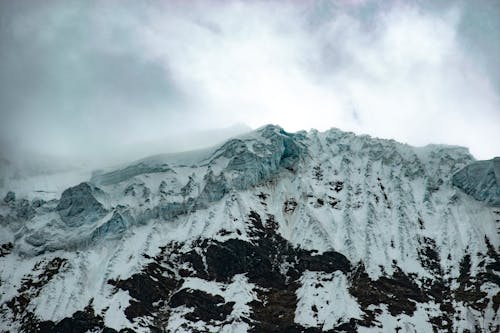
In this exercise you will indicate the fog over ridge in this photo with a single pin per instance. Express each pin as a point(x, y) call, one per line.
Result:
point(92, 78)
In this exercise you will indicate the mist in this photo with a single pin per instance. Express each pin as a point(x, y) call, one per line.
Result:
point(106, 81)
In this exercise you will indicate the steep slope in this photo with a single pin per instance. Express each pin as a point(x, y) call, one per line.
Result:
point(269, 232)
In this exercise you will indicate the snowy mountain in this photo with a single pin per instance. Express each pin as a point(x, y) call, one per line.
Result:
point(268, 232)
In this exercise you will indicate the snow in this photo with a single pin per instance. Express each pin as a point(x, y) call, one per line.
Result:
point(239, 291)
point(114, 316)
point(327, 293)
point(417, 323)
point(387, 187)
point(45, 186)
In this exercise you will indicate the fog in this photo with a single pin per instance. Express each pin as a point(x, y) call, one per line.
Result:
point(97, 80)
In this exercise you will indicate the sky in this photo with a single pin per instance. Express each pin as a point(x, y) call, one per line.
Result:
point(91, 78)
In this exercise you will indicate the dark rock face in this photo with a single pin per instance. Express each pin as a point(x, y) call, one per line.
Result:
point(43, 273)
point(5, 249)
point(207, 307)
point(275, 310)
point(158, 284)
point(78, 205)
point(158, 287)
point(481, 180)
point(274, 267)
point(262, 263)
point(399, 292)
point(80, 322)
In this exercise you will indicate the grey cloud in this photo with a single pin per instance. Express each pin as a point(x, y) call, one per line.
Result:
point(68, 84)
point(91, 78)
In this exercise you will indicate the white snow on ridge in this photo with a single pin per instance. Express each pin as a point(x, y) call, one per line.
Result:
point(374, 201)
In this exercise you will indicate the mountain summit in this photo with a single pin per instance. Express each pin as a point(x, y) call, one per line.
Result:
point(269, 232)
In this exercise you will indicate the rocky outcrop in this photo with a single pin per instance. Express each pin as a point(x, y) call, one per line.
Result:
point(272, 264)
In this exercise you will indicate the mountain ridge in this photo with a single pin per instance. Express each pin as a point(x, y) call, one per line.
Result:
point(155, 245)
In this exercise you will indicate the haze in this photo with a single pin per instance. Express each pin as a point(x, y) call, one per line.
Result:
point(89, 79)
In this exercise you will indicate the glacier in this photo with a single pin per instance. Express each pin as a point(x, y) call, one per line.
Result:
point(481, 180)
point(268, 232)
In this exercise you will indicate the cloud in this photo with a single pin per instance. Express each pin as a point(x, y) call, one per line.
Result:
point(74, 80)
point(98, 75)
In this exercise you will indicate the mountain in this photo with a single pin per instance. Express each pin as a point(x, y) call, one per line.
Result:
point(23, 169)
point(269, 232)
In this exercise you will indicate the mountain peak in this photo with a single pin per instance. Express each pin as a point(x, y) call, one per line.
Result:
point(240, 237)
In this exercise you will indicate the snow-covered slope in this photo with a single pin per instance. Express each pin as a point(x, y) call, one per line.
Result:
point(269, 232)
point(481, 180)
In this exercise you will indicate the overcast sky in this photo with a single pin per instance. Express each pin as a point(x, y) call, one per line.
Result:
point(91, 77)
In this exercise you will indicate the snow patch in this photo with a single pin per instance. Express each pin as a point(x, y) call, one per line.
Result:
point(324, 301)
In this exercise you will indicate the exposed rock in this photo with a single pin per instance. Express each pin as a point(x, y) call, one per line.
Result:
point(82, 321)
point(206, 307)
point(43, 273)
point(5, 249)
point(270, 232)
point(261, 263)
point(399, 292)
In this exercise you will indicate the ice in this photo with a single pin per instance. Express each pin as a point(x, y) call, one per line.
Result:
point(481, 180)
point(375, 201)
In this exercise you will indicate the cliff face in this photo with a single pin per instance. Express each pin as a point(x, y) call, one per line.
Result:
point(269, 232)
